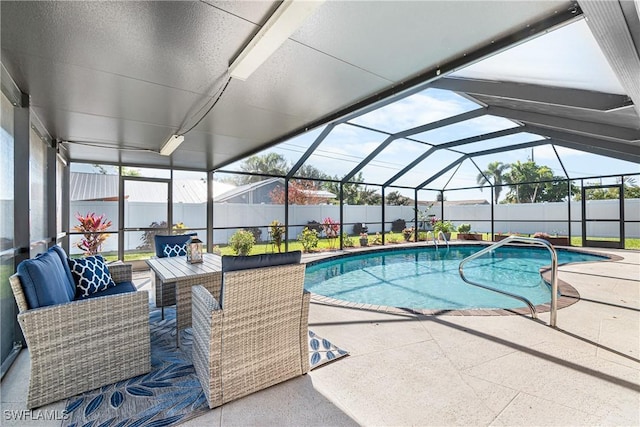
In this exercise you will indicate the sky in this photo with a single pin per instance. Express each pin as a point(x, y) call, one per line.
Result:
point(571, 49)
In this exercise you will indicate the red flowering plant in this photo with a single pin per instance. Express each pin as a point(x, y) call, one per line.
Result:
point(331, 229)
point(93, 226)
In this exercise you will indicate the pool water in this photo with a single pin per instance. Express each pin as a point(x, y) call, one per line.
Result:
point(426, 278)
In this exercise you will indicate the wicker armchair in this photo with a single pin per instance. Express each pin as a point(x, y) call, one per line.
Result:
point(259, 337)
point(82, 345)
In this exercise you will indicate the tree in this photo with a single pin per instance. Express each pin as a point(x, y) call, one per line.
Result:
point(496, 171)
point(631, 190)
point(302, 192)
point(396, 199)
point(355, 193)
point(533, 191)
point(267, 164)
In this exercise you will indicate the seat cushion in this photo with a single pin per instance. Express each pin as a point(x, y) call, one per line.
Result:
point(120, 288)
point(236, 263)
point(45, 281)
point(91, 275)
point(162, 241)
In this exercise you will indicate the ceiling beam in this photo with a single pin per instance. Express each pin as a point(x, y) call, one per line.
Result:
point(483, 153)
point(577, 98)
point(571, 125)
point(620, 150)
point(472, 139)
point(606, 20)
point(418, 129)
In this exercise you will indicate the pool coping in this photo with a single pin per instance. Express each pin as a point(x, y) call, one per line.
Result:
point(569, 295)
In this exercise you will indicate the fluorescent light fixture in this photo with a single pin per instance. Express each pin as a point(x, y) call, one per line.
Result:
point(284, 21)
point(171, 145)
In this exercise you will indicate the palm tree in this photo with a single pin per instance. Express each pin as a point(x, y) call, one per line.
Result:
point(496, 171)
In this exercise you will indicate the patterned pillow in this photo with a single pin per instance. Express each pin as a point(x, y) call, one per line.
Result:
point(91, 275)
point(170, 250)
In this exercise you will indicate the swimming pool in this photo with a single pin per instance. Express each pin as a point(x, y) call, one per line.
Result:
point(426, 278)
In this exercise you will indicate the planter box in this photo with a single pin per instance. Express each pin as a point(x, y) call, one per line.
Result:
point(469, 236)
point(557, 241)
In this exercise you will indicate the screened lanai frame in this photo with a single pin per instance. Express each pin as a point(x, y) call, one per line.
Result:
point(571, 129)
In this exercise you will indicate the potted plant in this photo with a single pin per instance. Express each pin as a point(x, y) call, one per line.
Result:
point(364, 239)
point(242, 241)
point(464, 233)
point(445, 226)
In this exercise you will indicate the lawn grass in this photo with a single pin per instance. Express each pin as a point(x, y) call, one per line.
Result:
point(325, 245)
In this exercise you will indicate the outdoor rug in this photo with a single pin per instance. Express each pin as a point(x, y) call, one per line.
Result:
point(168, 395)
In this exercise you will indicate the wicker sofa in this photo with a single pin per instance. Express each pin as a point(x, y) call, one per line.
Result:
point(84, 344)
point(257, 337)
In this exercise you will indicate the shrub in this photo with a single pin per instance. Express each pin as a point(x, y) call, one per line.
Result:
point(359, 228)
point(347, 241)
point(464, 228)
point(241, 242)
point(398, 225)
point(276, 230)
point(422, 236)
point(309, 239)
point(148, 237)
point(444, 226)
point(90, 224)
point(377, 239)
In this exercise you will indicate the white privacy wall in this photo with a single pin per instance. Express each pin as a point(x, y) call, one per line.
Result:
point(527, 218)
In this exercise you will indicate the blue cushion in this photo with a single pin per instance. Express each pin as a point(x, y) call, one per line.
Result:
point(161, 241)
point(91, 275)
point(235, 263)
point(44, 280)
point(120, 288)
point(65, 264)
point(174, 250)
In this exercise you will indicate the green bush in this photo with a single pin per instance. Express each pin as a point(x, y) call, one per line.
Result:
point(309, 239)
point(347, 241)
point(464, 228)
point(241, 242)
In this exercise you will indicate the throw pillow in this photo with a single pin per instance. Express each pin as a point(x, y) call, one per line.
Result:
point(91, 275)
point(174, 250)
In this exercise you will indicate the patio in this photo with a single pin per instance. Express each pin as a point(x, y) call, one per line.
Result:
point(368, 124)
point(454, 370)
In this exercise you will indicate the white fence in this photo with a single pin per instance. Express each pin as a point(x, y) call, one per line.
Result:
point(525, 218)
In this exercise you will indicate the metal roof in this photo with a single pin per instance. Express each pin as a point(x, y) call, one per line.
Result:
point(127, 75)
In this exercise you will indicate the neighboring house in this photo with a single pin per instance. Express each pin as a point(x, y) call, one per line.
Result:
point(260, 193)
point(102, 187)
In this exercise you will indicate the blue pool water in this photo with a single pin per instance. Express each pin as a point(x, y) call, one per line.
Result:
point(426, 278)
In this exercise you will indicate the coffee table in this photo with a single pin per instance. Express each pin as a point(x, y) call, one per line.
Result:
point(177, 270)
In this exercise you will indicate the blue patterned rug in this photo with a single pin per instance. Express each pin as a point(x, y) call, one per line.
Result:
point(168, 395)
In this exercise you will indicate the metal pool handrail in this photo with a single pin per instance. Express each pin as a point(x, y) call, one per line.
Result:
point(554, 273)
point(440, 233)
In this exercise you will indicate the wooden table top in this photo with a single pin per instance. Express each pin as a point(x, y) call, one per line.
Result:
point(174, 269)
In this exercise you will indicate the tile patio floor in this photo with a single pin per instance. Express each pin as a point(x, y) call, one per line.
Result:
point(455, 370)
